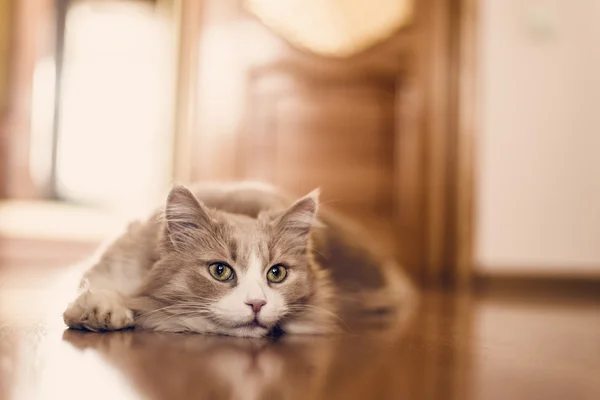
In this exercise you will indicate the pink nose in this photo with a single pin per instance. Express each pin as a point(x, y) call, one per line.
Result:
point(256, 305)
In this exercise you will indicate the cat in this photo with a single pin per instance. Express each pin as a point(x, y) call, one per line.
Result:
point(240, 260)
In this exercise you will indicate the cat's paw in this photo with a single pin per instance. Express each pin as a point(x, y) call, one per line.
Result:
point(98, 310)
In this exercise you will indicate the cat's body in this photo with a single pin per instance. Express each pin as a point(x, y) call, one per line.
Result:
point(241, 260)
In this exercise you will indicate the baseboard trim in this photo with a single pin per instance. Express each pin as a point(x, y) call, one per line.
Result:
point(545, 285)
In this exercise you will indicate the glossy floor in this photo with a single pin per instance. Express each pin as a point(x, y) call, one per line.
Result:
point(451, 347)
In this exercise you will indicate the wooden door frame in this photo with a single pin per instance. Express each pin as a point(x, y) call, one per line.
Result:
point(467, 126)
point(440, 102)
point(27, 19)
point(435, 138)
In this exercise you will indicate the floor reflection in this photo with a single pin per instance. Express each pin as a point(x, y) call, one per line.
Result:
point(173, 366)
point(451, 346)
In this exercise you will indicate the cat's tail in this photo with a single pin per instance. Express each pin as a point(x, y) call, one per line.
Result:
point(395, 302)
point(400, 290)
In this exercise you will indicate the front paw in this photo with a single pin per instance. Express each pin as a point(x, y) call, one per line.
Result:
point(98, 310)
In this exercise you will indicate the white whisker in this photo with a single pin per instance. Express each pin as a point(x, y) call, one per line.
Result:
point(301, 307)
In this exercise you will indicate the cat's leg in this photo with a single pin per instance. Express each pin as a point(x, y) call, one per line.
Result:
point(99, 309)
point(101, 302)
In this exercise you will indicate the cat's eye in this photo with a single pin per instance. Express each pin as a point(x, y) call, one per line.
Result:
point(277, 273)
point(221, 271)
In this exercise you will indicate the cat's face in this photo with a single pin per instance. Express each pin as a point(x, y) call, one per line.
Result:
point(231, 274)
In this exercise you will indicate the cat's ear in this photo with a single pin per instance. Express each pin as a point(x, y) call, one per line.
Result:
point(184, 214)
point(301, 216)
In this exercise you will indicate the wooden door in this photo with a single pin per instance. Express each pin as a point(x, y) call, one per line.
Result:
point(372, 129)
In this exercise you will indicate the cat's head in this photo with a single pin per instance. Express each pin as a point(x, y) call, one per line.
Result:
point(233, 274)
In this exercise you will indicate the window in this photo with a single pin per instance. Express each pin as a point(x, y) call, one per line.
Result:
point(112, 139)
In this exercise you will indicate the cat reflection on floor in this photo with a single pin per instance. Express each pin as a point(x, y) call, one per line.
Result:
point(173, 366)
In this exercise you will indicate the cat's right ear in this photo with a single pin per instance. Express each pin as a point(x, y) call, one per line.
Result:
point(184, 214)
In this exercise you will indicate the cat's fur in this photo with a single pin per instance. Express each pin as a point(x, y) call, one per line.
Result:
point(155, 276)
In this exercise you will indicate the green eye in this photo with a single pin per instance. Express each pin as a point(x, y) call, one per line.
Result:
point(221, 271)
point(277, 273)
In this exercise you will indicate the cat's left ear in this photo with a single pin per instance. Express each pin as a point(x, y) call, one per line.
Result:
point(301, 216)
point(185, 214)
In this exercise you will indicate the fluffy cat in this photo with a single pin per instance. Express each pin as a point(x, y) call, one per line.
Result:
point(239, 260)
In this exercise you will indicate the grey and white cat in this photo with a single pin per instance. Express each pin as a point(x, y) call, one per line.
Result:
point(239, 260)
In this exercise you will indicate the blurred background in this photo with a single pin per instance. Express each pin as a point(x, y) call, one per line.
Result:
point(463, 134)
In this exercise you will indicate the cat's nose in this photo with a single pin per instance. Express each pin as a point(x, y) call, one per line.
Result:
point(256, 305)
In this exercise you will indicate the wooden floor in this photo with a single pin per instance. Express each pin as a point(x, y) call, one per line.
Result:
point(452, 347)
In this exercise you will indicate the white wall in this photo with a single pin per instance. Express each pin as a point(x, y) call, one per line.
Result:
point(539, 156)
